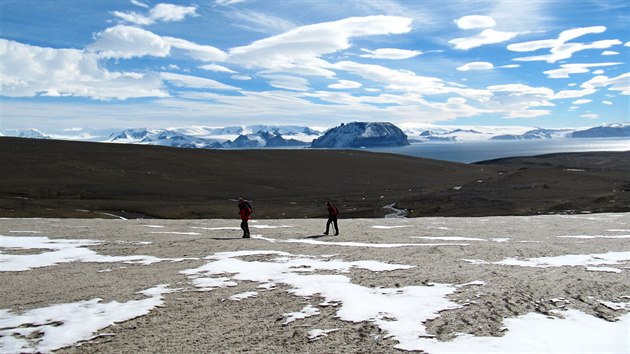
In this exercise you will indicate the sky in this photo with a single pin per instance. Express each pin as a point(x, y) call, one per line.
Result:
point(72, 64)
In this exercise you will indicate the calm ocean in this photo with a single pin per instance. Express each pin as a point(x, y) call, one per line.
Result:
point(468, 152)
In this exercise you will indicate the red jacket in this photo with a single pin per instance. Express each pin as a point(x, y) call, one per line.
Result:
point(332, 211)
point(244, 211)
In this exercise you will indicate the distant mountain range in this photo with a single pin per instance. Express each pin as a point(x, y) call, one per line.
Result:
point(350, 135)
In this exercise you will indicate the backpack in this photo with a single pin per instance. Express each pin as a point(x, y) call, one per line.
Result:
point(335, 211)
point(249, 205)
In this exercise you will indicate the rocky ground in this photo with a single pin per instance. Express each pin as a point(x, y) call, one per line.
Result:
point(454, 269)
point(47, 178)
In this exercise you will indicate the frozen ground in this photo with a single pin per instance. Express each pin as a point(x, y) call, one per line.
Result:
point(546, 284)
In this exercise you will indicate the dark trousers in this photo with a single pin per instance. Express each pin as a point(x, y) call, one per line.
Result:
point(332, 220)
point(245, 227)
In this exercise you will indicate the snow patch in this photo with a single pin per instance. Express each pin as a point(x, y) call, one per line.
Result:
point(61, 251)
point(49, 328)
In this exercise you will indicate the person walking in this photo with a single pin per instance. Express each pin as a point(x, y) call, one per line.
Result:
point(245, 212)
point(332, 218)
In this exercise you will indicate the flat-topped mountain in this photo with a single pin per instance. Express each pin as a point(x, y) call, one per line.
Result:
point(360, 134)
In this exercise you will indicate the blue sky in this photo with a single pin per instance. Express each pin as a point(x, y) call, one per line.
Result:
point(114, 64)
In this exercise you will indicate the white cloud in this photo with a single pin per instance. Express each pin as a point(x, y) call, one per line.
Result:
point(171, 13)
point(197, 51)
point(477, 65)
point(345, 84)
point(390, 53)
point(627, 44)
point(619, 83)
point(559, 49)
point(217, 68)
point(299, 50)
point(609, 52)
point(568, 69)
point(475, 21)
point(488, 36)
point(126, 42)
point(133, 17)
point(29, 71)
point(532, 113)
point(607, 103)
point(160, 12)
point(195, 82)
point(517, 100)
point(288, 82)
point(582, 101)
point(573, 93)
point(598, 72)
point(589, 116)
point(241, 77)
point(510, 66)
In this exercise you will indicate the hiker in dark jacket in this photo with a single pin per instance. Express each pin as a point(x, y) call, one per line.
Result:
point(245, 212)
point(332, 218)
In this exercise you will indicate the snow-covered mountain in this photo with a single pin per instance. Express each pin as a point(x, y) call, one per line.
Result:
point(217, 138)
point(26, 133)
point(361, 134)
point(346, 135)
point(619, 130)
point(536, 134)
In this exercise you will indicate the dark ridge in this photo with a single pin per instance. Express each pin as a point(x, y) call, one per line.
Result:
point(52, 178)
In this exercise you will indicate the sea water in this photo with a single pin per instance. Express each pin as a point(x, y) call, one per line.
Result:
point(468, 152)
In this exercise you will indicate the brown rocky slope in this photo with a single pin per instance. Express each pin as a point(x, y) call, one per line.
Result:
point(49, 178)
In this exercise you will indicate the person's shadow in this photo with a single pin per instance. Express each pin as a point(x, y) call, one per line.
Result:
point(316, 236)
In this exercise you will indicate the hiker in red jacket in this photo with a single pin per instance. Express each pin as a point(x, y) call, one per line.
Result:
point(245, 211)
point(332, 218)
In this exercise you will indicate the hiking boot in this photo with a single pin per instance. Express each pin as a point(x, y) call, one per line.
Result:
point(246, 236)
point(336, 234)
point(325, 233)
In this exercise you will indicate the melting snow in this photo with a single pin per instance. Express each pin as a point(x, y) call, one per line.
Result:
point(595, 236)
point(307, 311)
point(357, 244)
point(316, 334)
point(560, 261)
point(61, 251)
point(382, 227)
point(57, 326)
point(448, 238)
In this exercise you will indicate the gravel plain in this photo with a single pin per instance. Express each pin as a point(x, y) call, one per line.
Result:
point(466, 253)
